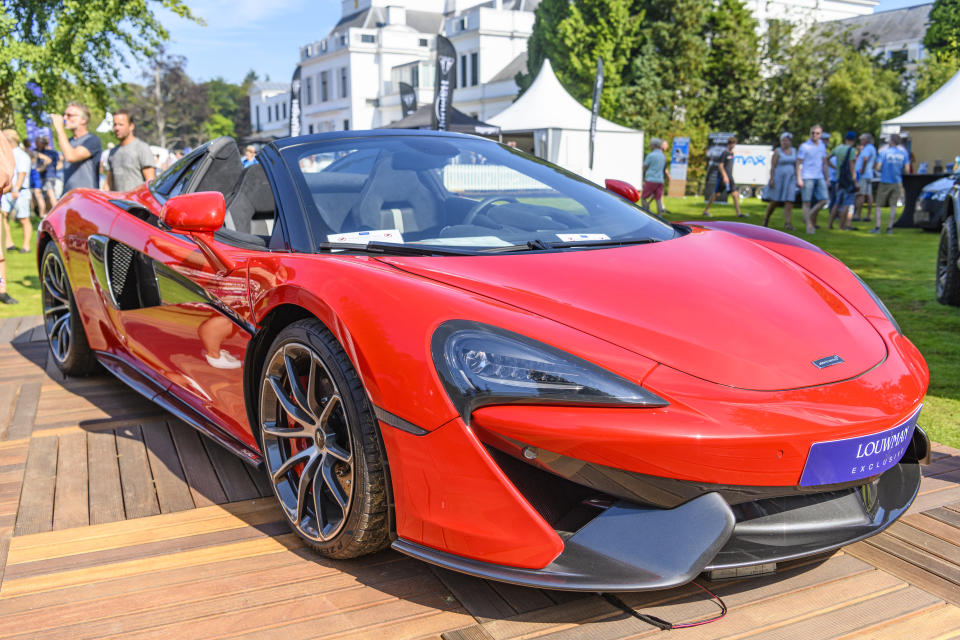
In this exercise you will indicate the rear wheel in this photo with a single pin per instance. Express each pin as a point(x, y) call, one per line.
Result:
point(948, 272)
point(65, 334)
point(321, 446)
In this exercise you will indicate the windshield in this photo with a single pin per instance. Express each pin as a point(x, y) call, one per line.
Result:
point(457, 193)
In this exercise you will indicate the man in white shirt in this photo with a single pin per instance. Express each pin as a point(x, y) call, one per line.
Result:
point(812, 176)
point(7, 170)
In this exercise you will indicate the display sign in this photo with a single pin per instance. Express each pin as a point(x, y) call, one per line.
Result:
point(679, 158)
point(855, 458)
point(443, 91)
point(295, 103)
point(595, 112)
point(408, 99)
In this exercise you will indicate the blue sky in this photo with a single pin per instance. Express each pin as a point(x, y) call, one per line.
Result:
point(265, 35)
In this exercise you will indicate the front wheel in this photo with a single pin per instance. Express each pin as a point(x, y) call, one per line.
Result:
point(948, 272)
point(65, 334)
point(321, 445)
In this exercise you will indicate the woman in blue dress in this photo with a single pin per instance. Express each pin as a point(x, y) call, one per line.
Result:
point(782, 188)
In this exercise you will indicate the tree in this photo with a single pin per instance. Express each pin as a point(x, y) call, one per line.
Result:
point(171, 109)
point(933, 72)
point(943, 33)
point(573, 34)
point(73, 47)
point(732, 71)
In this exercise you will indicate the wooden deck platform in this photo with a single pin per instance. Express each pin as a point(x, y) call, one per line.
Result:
point(117, 520)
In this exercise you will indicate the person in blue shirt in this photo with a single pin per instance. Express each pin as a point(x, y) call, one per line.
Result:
point(865, 178)
point(249, 156)
point(891, 163)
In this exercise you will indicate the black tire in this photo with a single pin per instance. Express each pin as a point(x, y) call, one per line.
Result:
point(321, 445)
point(948, 273)
point(65, 334)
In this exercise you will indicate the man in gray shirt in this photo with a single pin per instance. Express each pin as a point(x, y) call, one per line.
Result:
point(81, 153)
point(131, 162)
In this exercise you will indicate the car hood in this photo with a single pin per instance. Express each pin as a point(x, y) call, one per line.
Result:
point(711, 304)
point(943, 184)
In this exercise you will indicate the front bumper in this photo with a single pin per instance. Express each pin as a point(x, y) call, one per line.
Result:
point(633, 548)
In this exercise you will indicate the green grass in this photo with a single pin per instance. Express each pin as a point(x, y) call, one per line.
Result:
point(900, 269)
point(23, 283)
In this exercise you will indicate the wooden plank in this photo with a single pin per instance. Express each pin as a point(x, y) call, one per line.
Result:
point(946, 549)
point(476, 595)
point(139, 495)
point(129, 533)
point(940, 623)
point(39, 334)
point(944, 569)
point(71, 503)
point(260, 481)
point(106, 494)
point(906, 571)
point(8, 327)
point(197, 468)
point(236, 484)
point(141, 566)
point(522, 599)
point(935, 499)
point(172, 490)
point(8, 392)
point(39, 483)
point(945, 515)
point(22, 422)
point(25, 329)
point(885, 608)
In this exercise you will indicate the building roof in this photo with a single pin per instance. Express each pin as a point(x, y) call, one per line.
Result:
point(373, 17)
point(940, 109)
point(883, 27)
point(510, 71)
point(269, 86)
point(547, 105)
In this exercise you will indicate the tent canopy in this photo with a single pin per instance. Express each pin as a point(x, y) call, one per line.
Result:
point(460, 122)
point(547, 105)
point(940, 109)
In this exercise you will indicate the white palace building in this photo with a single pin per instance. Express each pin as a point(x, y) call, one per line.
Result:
point(349, 79)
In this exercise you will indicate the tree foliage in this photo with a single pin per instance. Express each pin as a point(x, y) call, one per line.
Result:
point(943, 33)
point(73, 47)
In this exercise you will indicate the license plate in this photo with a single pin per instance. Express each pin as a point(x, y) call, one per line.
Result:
point(861, 457)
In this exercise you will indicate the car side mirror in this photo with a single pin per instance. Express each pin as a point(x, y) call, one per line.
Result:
point(199, 215)
point(624, 189)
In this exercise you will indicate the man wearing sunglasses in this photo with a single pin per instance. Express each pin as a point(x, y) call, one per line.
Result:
point(81, 153)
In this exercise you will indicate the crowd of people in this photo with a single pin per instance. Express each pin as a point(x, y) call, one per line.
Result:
point(842, 180)
point(34, 176)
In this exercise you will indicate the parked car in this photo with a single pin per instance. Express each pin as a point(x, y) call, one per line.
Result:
point(438, 343)
point(938, 208)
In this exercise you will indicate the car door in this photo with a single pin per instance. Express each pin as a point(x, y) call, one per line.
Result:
point(181, 319)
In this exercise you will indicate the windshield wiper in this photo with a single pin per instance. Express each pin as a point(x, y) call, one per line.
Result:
point(541, 245)
point(393, 249)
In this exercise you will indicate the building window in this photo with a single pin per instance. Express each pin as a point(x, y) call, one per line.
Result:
point(415, 76)
point(308, 87)
point(423, 42)
point(463, 24)
point(284, 110)
point(310, 128)
point(276, 112)
point(258, 118)
point(369, 39)
point(474, 69)
point(324, 86)
point(346, 124)
point(464, 78)
point(342, 39)
point(344, 89)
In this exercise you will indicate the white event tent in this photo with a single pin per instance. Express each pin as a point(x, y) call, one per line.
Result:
point(933, 125)
point(561, 132)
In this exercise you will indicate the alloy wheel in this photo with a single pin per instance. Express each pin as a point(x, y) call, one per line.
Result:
point(56, 307)
point(306, 441)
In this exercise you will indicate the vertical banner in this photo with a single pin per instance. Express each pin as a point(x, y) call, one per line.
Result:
point(408, 99)
point(446, 74)
point(679, 159)
point(594, 114)
point(295, 103)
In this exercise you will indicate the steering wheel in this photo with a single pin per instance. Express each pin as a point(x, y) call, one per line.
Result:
point(483, 204)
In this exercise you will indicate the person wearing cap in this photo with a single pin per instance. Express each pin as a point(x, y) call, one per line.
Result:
point(846, 157)
point(865, 175)
point(812, 176)
point(891, 163)
point(782, 188)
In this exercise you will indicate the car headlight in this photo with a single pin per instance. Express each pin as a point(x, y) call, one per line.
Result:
point(480, 365)
point(880, 304)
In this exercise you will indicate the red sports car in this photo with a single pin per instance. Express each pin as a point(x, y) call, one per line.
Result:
point(440, 343)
